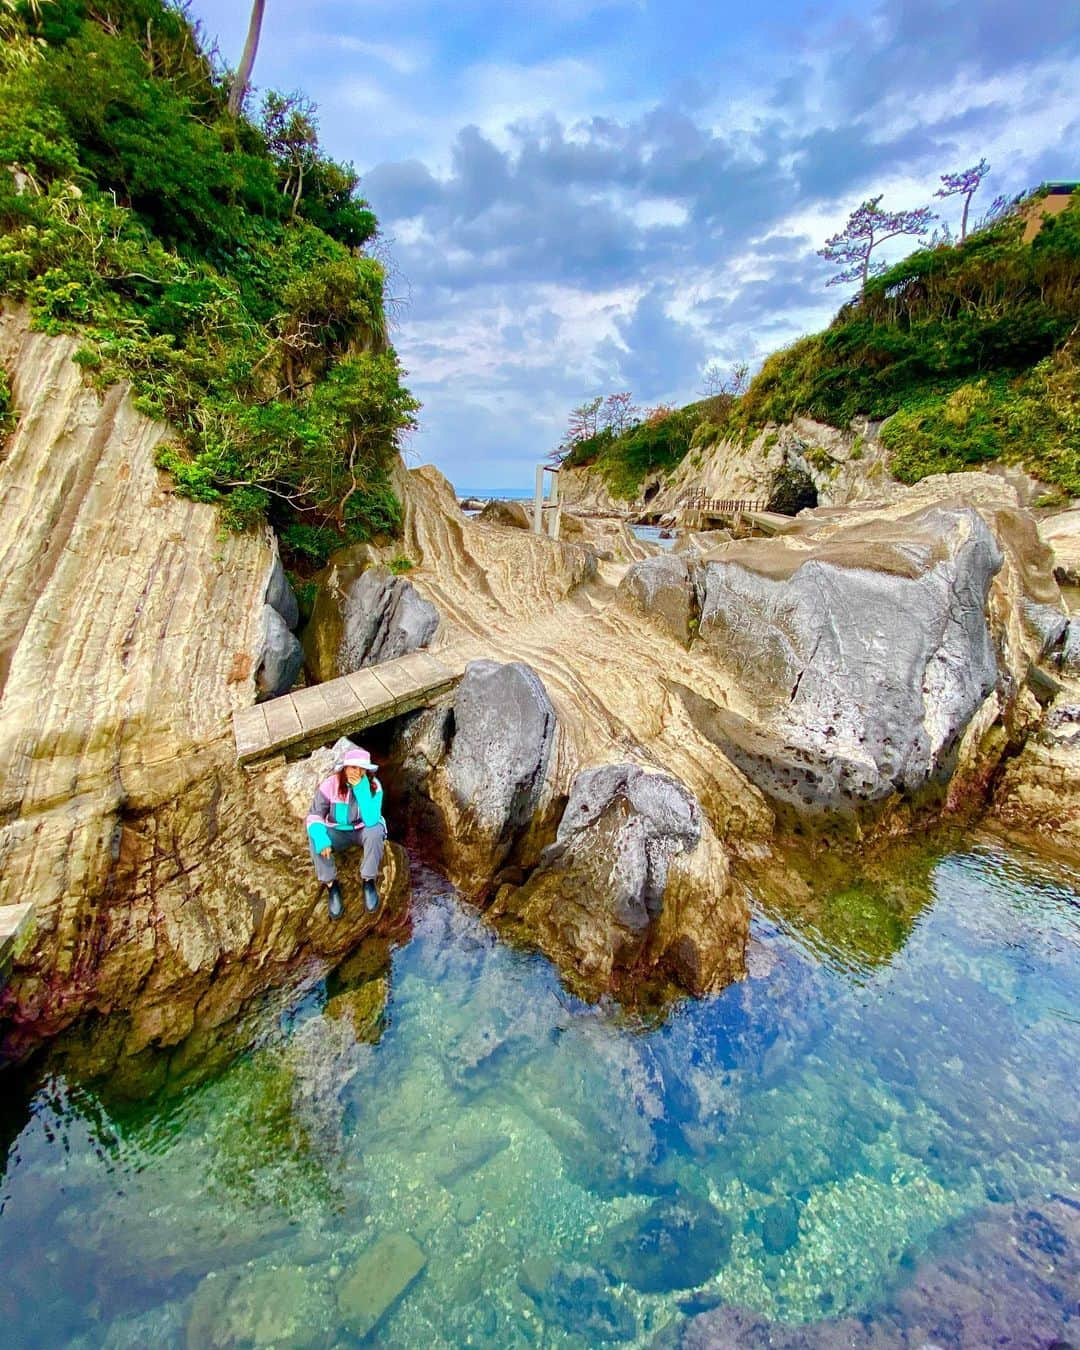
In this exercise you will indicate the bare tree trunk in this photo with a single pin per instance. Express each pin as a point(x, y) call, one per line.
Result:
point(963, 218)
point(247, 61)
point(299, 190)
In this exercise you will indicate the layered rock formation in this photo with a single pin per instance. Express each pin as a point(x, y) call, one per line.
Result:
point(167, 882)
point(858, 661)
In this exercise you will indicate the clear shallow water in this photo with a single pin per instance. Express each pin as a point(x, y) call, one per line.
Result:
point(903, 1057)
point(651, 535)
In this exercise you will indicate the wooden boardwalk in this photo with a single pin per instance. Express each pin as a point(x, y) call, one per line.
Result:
point(297, 723)
point(721, 506)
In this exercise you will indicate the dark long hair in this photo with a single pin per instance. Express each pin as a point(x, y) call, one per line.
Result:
point(343, 788)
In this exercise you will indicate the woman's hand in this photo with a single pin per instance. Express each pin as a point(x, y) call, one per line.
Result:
point(325, 852)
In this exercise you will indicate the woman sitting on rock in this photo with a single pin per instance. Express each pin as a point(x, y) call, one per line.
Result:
point(347, 812)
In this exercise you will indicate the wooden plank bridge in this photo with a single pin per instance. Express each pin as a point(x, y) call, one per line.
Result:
point(297, 723)
point(721, 506)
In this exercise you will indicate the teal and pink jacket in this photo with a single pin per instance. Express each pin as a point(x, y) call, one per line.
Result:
point(361, 805)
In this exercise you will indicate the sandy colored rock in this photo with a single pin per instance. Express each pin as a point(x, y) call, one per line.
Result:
point(378, 1279)
point(168, 883)
point(1062, 534)
point(514, 514)
point(619, 685)
point(610, 537)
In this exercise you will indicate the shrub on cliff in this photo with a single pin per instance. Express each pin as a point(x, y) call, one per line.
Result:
point(658, 441)
point(174, 238)
point(969, 350)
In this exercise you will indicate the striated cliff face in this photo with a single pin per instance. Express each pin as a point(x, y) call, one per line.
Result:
point(167, 882)
point(852, 679)
point(845, 467)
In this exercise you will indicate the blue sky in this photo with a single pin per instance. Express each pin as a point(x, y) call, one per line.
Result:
point(580, 196)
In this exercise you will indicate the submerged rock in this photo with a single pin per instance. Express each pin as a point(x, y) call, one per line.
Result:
point(578, 1299)
point(264, 1305)
point(676, 1244)
point(780, 1226)
point(378, 1279)
point(1008, 1277)
point(635, 882)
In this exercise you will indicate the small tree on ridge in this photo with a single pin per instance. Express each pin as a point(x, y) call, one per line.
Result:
point(965, 183)
point(867, 228)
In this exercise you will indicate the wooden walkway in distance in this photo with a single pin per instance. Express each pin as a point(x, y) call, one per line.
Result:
point(720, 506)
point(297, 723)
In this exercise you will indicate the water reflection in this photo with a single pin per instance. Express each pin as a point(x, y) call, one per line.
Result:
point(440, 1146)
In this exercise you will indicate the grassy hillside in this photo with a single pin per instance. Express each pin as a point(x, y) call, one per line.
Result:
point(972, 352)
point(135, 211)
point(659, 442)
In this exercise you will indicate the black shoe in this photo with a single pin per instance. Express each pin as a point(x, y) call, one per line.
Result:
point(371, 897)
point(334, 901)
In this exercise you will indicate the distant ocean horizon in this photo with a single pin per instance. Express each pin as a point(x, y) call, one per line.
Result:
point(505, 494)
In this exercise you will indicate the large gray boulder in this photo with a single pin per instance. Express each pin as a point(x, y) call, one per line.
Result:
point(385, 617)
point(635, 884)
point(660, 593)
point(280, 595)
point(479, 764)
point(282, 656)
point(364, 614)
point(863, 656)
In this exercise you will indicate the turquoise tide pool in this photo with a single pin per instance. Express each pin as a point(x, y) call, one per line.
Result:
point(449, 1150)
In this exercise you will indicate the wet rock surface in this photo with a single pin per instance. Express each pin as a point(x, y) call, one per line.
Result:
point(679, 1242)
point(634, 882)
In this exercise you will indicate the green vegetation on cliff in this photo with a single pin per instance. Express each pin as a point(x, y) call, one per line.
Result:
point(658, 442)
point(213, 261)
point(970, 351)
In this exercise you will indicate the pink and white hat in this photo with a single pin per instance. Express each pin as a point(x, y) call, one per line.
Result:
point(355, 758)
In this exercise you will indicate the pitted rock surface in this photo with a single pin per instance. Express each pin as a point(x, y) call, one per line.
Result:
point(865, 655)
